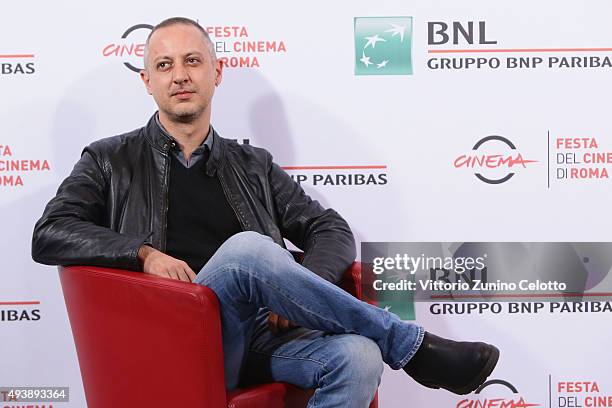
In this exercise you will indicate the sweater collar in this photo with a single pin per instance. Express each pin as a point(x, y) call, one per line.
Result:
point(161, 140)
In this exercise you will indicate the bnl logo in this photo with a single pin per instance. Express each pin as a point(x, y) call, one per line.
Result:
point(383, 45)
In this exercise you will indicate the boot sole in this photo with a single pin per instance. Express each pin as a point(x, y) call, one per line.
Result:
point(478, 380)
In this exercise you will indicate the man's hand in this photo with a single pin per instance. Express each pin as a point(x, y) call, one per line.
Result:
point(157, 263)
point(278, 324)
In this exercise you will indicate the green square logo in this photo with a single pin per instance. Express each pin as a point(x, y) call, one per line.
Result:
point(383, 45)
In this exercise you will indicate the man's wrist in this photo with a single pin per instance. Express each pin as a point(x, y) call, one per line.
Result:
point(143, 252)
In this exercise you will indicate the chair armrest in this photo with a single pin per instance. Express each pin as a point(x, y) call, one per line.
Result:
point(351, 280)
point(143, 340)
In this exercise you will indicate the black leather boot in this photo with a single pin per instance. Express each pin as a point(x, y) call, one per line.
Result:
point(459, 367)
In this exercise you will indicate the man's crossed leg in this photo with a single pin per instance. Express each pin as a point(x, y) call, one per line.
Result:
point(342, 340)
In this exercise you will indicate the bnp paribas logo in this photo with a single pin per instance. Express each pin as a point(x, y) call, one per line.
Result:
point(383, 45)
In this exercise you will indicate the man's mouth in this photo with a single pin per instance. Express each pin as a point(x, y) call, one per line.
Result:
point(183, 94)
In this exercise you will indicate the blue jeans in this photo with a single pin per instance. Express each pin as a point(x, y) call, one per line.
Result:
point(340, 345)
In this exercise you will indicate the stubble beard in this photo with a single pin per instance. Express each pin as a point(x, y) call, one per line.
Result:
point(185, 114)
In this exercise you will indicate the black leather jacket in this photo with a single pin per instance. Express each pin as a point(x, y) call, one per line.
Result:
point(116, 198)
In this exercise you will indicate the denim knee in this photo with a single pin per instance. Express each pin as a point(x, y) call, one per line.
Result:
point(357, 364)
point(250, 247)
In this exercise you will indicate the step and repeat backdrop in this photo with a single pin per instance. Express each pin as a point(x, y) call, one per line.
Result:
point(445, 122)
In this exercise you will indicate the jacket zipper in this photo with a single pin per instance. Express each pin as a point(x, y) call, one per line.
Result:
point(166, 199)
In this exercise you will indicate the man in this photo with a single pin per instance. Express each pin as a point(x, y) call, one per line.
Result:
point(176, 200)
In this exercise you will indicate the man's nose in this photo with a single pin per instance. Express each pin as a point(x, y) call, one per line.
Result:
point(179, 74)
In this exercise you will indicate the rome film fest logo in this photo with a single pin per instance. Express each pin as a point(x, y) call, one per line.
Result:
point(13, 169)
point(234, 46)
point(507, 397)
point(383, 45)
point(495, 160)
point(577, 393)
point(131, 46)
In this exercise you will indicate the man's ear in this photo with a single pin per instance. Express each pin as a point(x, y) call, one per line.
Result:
point(218, 72)
point(144, 75)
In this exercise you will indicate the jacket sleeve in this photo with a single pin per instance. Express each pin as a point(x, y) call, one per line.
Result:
point(323, 235)
point(73, 230)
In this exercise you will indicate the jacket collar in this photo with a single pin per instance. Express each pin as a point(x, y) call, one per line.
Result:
point(163, 142)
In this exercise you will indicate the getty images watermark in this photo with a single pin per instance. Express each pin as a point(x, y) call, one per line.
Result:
point(447, 265)
point(393, 272)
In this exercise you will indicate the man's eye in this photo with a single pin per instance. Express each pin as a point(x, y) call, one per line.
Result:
point(193, 60)
point(162, 65)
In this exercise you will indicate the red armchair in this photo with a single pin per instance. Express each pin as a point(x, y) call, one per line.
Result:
point(145, 341)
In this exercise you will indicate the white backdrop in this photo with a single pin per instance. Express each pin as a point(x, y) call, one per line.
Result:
point(309, 108)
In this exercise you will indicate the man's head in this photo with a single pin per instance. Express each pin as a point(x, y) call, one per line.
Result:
point(181, 69)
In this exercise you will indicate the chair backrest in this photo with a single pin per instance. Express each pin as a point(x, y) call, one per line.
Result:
point(144, 341)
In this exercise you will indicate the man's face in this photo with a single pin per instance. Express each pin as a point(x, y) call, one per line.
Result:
point(180, 72)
